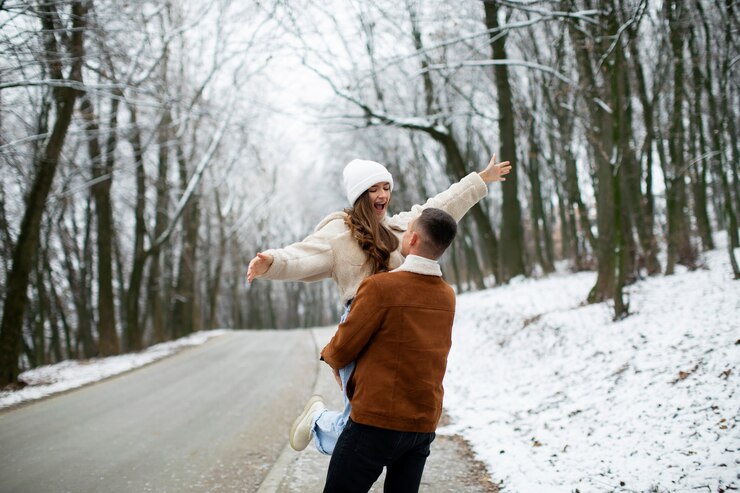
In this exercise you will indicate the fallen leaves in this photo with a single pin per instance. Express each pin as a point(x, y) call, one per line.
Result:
point(683, 375)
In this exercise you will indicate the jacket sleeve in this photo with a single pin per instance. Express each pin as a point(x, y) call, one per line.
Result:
point(364, 319)
point(456, 201)
point(311, 259)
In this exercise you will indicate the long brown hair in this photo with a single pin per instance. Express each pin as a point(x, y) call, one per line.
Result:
point(375, 239)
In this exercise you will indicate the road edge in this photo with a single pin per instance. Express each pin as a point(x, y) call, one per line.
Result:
point(277, 472)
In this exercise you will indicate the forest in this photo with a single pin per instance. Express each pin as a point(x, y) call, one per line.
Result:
point(148, 149)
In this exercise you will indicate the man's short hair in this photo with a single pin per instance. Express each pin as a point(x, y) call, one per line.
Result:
point(439, 229)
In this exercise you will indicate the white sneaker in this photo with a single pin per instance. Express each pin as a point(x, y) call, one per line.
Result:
point(300, 432)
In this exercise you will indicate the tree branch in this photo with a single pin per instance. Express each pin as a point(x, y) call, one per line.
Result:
point(374, 117)
point(508, 61)
point(59, 83)
point(193, 183)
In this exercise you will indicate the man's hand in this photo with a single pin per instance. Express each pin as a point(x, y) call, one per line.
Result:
point(495, 172)
point(336, 377)
point(258, 266)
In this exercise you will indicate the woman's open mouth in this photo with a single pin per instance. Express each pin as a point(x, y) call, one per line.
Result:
point(380, 207)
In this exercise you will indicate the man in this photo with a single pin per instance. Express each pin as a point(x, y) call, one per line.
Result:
point(399, 333)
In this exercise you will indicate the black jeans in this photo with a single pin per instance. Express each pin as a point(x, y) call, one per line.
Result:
point(362, 451)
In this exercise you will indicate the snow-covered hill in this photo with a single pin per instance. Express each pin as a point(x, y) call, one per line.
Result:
point(555, 397)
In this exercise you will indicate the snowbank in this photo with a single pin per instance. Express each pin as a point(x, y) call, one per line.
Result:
point(51, 379)
point(555, 397)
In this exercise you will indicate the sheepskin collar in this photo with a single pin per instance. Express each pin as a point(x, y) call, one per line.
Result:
point(420, 265)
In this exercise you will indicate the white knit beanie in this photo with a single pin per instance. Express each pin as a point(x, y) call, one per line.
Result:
point(359, 175)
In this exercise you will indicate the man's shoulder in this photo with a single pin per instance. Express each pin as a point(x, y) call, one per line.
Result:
point(381, 281)
point(392, 278)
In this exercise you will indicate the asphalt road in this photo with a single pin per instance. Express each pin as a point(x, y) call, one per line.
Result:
point(210, 419)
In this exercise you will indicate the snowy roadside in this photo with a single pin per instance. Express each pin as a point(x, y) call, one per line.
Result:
point(555, 397)
point(47, 380)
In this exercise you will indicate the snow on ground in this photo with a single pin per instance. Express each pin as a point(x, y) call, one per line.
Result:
point(51, 379)
point(555, 397)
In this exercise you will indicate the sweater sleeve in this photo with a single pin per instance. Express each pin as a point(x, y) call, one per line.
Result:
point(364, 319)
point(311, 259)
point(456, 201)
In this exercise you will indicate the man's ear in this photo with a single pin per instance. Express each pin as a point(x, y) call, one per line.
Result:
point(414, 239)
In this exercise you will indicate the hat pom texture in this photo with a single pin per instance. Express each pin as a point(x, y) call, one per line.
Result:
point(359, 175)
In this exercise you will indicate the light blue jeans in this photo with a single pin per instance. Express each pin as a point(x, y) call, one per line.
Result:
point(330, 424)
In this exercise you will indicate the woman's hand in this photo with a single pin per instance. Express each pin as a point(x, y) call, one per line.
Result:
point(495, 172)
point(258, 266)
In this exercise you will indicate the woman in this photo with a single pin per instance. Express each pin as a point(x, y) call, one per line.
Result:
point(351, 245)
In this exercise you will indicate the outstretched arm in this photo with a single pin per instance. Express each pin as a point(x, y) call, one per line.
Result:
point(460, 197)
point(310, 259)
point(495, 172)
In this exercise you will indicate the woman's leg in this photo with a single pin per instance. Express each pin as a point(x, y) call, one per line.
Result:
point(329, 424)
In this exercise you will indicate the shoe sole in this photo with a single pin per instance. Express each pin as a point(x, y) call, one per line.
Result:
point(313, 400)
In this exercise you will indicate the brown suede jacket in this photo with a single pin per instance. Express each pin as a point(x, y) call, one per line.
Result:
point(399, 331)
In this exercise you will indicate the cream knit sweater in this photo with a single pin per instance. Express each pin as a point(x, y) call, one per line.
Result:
point(331, 252)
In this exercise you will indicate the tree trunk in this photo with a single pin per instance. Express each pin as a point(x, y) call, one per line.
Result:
point(699, 170)
point(184, 310)
point(238, 308)
point(511, 257)
point(475, 275)
point(6, 240)
point(429, 103)
point(624, 161)
point(28, 238)
point(628, 167)
point(102, 174)
point(79, 282)
point(577, 210)
point(133, 332)
point(728, 82)
point(49, 298)
point(600, 137)
point(214, 289)
point(58, 307)
point(644, 203)
point(568, 234)
point(735, 156)
point(621, 309)
point(156, 299)
point(39, 313)
point(453, 260)
point(718, 159)
point(573, 212)
point(540, 230)
point(680, 249)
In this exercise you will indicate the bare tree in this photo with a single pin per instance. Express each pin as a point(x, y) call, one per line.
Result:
point(512, 235)
point(680, 248)
point(102, 176)
point(720, 165)
point(64, 48)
